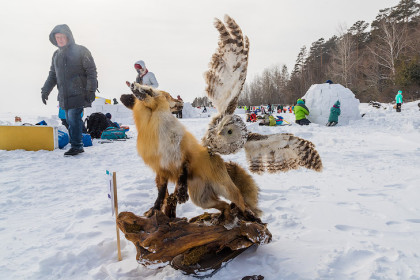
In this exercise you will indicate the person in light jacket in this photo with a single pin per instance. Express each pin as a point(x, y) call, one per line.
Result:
point(144, 76)
point(399, 100)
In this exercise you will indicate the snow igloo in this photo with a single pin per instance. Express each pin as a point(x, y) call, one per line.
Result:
point(321, 97)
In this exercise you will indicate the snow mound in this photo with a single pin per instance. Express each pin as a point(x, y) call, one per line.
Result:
point(321, 97)
point(188, 111)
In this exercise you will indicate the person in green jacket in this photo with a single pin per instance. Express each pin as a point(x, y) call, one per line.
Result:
point(399, 100)
point(301, 111)
point(335, 111)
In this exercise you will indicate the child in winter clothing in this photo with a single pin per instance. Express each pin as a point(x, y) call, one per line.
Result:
point(301, 111)
point(335, 111)
point(272, 121)
point(399, 100)
point(111, 123)
point(253, 117)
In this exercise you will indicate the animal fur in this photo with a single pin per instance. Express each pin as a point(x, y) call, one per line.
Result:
point(166, 146)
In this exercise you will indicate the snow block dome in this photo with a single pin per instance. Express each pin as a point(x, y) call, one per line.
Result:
point(321, 97)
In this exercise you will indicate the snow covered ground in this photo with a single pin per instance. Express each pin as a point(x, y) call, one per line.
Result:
point(358, 219)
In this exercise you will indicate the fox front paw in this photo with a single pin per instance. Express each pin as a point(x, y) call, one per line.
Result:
point(182, 195)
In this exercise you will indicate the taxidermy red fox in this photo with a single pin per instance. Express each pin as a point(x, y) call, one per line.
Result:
point(176, 156)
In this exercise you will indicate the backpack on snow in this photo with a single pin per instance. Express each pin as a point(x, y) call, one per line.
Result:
point(96, 123)
point(114, 133)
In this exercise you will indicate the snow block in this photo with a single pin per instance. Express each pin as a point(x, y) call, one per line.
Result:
point(119, 112)
point(321, 97)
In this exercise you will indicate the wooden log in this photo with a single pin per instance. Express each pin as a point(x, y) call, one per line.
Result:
point(204, 241)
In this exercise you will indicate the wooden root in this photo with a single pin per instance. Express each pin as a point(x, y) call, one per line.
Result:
point(203, 242)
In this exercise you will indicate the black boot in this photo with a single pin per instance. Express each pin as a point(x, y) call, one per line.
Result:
point(73, 152)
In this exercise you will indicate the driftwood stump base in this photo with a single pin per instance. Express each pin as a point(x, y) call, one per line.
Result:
point(199, 246)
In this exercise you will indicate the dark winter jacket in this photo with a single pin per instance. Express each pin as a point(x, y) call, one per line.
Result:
point(73, 71)
point(335, 111)
point(300, 110)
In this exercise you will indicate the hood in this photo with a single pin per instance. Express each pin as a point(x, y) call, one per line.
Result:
point(62, 28)
point(142, 64)
point(337, 104)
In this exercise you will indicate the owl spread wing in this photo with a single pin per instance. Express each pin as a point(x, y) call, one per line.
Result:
point(228, 67)
point(280, 152)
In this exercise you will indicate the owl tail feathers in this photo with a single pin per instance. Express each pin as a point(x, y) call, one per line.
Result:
point(246, 186)
point(308, 156)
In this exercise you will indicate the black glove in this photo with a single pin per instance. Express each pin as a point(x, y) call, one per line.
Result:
point(90, 96)
point(44, 97)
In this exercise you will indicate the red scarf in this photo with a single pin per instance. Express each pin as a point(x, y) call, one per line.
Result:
point(141, 76)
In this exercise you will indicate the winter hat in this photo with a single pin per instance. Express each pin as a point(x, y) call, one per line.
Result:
point(108, 115)
point(300, 101)
point(400, 91)
point(337, 103)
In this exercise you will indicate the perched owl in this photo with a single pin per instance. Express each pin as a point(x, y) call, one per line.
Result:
point(227, 133)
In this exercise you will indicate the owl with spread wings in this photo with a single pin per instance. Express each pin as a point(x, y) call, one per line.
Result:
point(227, 133)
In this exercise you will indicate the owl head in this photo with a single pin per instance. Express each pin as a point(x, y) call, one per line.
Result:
point(226, 135)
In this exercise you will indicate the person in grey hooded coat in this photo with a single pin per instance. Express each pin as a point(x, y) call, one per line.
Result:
point(144, 76)
point(73, 70)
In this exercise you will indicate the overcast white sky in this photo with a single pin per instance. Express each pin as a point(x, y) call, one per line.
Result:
point(175, 38)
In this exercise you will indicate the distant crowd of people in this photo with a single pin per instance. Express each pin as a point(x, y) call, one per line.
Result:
point(301, 111)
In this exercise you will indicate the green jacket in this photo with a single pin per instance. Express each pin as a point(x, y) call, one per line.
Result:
point(301, 111)
point(272, 121)
point(335, 111)
point(399, 98)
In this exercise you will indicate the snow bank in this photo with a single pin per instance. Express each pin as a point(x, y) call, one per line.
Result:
point(119, 112)
point(123, 115)
point(357, 219)
point(321, 97)
point(188, 111)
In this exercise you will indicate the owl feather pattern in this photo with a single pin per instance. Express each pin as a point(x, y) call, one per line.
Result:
point(227, 133)
point(228, 67)
point(280, 152)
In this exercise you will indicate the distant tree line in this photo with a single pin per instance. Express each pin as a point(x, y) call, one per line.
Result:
point(373, 63)
point(201, 101)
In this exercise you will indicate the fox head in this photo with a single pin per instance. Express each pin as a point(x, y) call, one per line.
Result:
point(142, 92)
